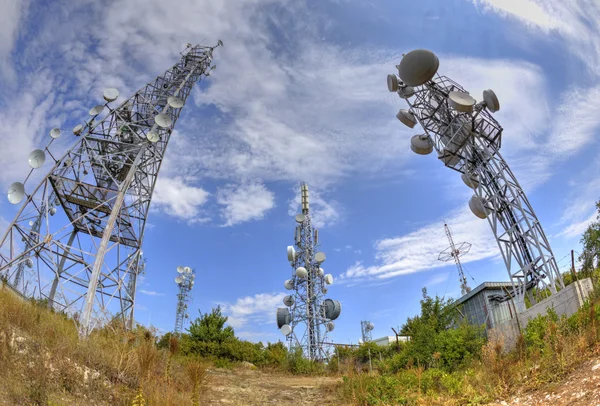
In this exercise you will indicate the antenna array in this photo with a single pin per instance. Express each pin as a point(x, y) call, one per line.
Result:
point(308, 316)
point(79, 231)
point(467, 139)
point(455, 252)
point(185, 281)
point(366, 327)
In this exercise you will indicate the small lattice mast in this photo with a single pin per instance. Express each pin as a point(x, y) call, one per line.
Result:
point(78, 236)
point(185, 282)
point(467, 139)
point(366, 327)
point(308, 316)
point(455, 251)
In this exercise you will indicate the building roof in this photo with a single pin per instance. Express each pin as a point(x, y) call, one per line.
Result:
point(482, 287)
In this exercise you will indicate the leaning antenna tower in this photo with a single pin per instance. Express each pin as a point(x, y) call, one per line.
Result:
point(308, 316)
point(455, 252)
point(80, 229)
point(185, 281)
point(366, 327)
point(467, 139)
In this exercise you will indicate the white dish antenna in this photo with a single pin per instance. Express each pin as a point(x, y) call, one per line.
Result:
point(406, 92)
point(477, 207)
point(286, 330)
point(370, 326)
point(392, 83)
point(37, 157)
point(291, 253)
point(320, 257)
point(52, 211)
point(187, 269)
point(77, 129)
point(152, 136)
point(288, 300)
point(407, 118)
point(179, 269)
point(55, 133)
point(321, 272)
point(175, 102)
point(471, 181)
point(491, 100)
point(421, 144)
point(288, 284)
point(329, 279)
point(330, 325)
point(16, 193)
point(178, 279)
point(111, 94)
point(300, 218)
point(418, 67)
point(461, 101)
point(301, 272)
point(163, 120)
point(219, 43)
point(94, 111)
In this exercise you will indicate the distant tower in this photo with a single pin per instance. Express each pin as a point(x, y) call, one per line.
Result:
point(366, 327)
point(455, 252)
point(78, 235)
point(467, 139)
point(308, 316)
point(185, 281)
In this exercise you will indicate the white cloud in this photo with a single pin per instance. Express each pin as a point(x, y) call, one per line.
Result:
point(10, 20)
point(176, 198)
point(151, 293)
point(257, 309)
point(437, 279)
point(245, 202)
point(418, 250)
point(323, 213)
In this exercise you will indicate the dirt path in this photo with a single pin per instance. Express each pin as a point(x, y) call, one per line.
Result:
point(580, 388)
point(253, 387)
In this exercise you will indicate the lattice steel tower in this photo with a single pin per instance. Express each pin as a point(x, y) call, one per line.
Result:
point(455, 252)
point(80, 230)
point(185, 282)
point(366, 327)
point(467, 139)
point(308, 316)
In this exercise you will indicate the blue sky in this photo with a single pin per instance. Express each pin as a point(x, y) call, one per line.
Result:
point(300, 94)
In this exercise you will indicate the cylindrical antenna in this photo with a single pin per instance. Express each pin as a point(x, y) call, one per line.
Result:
point(304, 189)
point(316, 236)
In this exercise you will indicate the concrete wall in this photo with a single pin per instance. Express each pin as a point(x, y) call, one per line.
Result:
point(566, 302)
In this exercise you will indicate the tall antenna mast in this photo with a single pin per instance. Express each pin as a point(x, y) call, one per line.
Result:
point(366, 327)
point(467, 139)
point(185, 281)
point(80, 229)
point(307, 317)
point(455, 252)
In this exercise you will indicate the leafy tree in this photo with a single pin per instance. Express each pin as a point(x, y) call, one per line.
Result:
point(591, 244)
point(210, 328)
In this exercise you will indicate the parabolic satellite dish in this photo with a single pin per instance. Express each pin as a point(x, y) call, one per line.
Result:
point(321, 272)
point(288, 300)
point(94, 111)
point(110, 94)
point(320, 257)
point(37, 158)
point(299, 218)
point(421, 144)
point(77, 129)
point(461, 101)
point(407, 118)
point(418, 67)
point(178, 279)
point(175, 102)
point(301, 272)
point(329, 279)
point(330, 325)
point(291, 253)
point(152, 136)
point(55, 133)
point(16, 193)
point(219, 43)
point(392, 83)
point(491, 100)
point(187, 269)
point(286, 329)
point(477, 207)
point(179, 269)
point(163, 120)
point(333, 308)
point(288, 284)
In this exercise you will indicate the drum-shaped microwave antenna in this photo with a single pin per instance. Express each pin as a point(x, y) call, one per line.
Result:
point(392, 83)
point(152, 136)
point(283, 316)
point(291, 253)
point(321, 272)
point(163, 120)
point(477, 207)
point(421, 144)
point(330, 325)
point(37, 157)
point(418, 67)
point(180, 269)
point(471, 181)
point(320, 257)
point(329, 279)
point(332, 308)
point(301, 272)
point(461, 101)
point(16, 193)
point(178, 279)
point(111, 94)
point(370, 326)
point(286, 330)
point(288, 300)
point(94, 111)
point(187, 269)
point(407, 118)
point(406, 92)
point(55, 133)
point(175, 102)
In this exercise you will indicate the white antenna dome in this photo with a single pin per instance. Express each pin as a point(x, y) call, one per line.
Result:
point(299, 218)
point(407, 118)
point(392, 83)
point(491, 100)
point(187, 269)
point(288, 300)
point(418, 67)
point(111, 94)
point(179, 269)
point(321, 272)
point(330, 325)
point(461, 101)
point(16, 193)
point(179, 279)
point(163, 120)
point(329, 279)
point(52, 211)
point(421, 144)
point(175, 102)
point(94, 111)
point(37, 158)
point(301, 272)
point(288, 284)
point(77, 129)
point(291, 253)
point(152, 136)
point(320, 257)
point(286, 330)
point(55, 133)
point(477, 207)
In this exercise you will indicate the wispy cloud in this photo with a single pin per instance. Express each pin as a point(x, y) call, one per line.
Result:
point(245, 202)
point(175, 197)
point(252, 310)
point(151, 292)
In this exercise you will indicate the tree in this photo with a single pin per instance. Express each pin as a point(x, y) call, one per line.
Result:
point(210, 327)
point(591, 244)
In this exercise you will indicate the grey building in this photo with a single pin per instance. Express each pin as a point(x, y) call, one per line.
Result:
point(487, 304)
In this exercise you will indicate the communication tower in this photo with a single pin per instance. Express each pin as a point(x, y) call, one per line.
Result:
point(366, 327)
point(78, 235)
point(467, 139)
point(455, 252)
point(185, 281)
point(308, 316)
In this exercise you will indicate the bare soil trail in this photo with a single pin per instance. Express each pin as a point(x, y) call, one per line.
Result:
point(253, 387)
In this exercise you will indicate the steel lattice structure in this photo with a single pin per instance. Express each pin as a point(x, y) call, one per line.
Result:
point(468, 139)
point(185, 281)
point(81, 228)
point(455, 252)
point(310, 315)
point(366, 327)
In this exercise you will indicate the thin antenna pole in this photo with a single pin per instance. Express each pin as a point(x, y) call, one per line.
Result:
point(455, 252)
